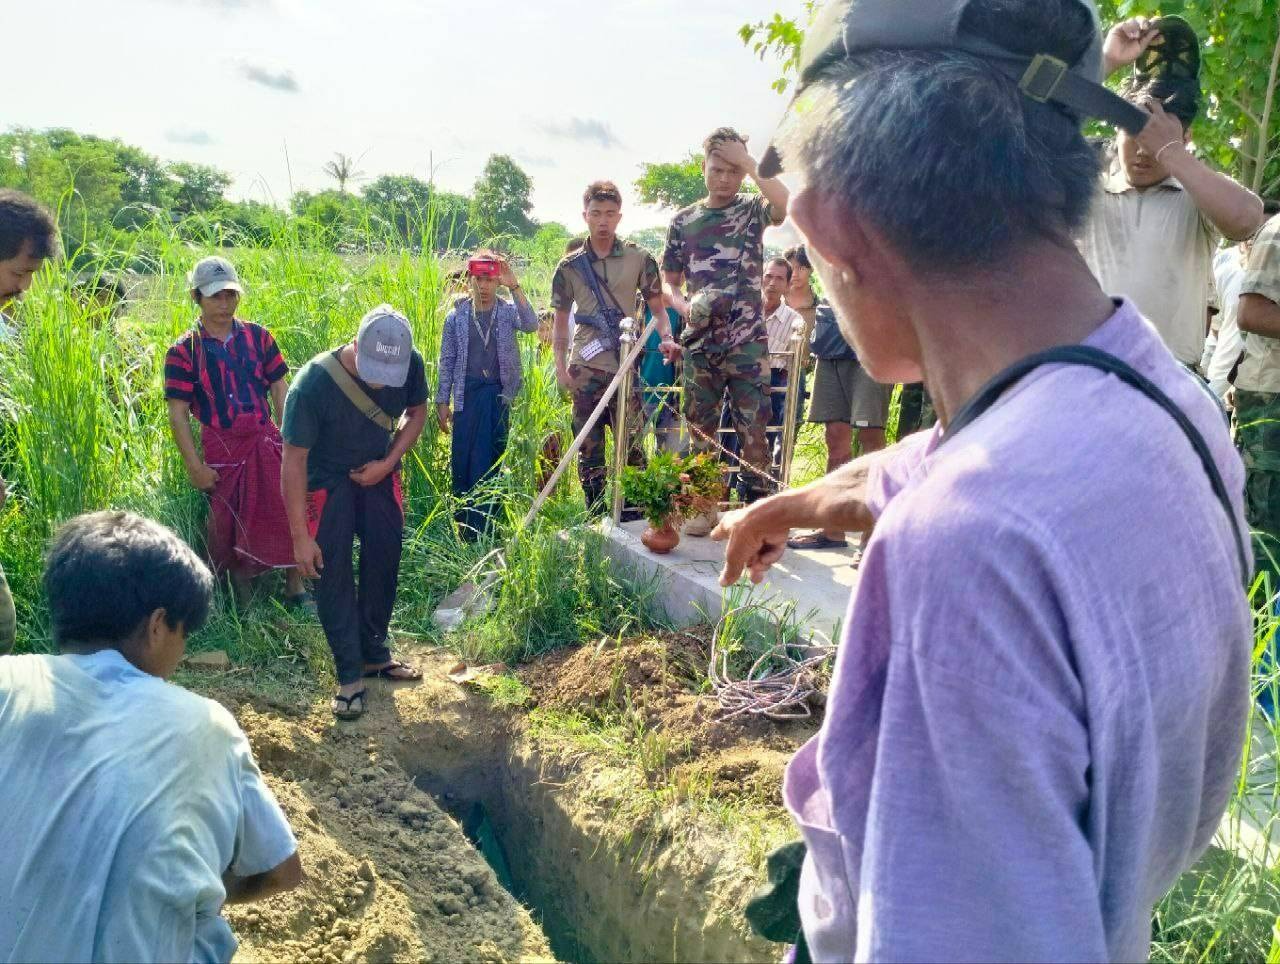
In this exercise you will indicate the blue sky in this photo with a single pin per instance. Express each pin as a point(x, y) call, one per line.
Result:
point(269, 89)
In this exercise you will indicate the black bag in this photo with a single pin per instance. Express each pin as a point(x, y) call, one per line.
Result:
point(827, 342)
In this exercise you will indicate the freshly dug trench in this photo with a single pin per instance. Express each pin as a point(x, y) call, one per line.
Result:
point(606, 884)
point(389, 876)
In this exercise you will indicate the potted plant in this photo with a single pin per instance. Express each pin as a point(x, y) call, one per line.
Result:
point(669, 490)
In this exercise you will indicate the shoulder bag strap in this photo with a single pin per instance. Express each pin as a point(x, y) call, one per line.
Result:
point(355, 394)
point(1090, 357)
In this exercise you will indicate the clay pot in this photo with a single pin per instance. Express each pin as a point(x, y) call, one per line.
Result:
point(661, 541)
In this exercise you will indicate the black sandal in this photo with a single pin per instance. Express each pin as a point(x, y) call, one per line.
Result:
point(347, 711)
point(388, 672)
point(816, 540)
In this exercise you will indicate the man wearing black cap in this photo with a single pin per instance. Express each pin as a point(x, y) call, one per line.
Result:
point(1152, 234)
point(1025, 747)
point(350, 417)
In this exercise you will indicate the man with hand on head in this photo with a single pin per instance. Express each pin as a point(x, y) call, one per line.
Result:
point(479, 378)
point(1151, 235)
point(1037, 738)
point(351, 415)
point(28, 238)
point(230, 376)
point(602, 279)
point(133, 809)
point(715, 255)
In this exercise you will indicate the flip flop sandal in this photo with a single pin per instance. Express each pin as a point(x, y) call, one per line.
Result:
point(304, 601)
point(816, 540)
point(347, 710)
point(389, 672)
point(857, 559)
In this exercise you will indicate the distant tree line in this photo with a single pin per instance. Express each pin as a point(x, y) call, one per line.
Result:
point(103, 185)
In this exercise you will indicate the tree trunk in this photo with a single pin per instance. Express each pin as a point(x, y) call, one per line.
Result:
point(1264, 121)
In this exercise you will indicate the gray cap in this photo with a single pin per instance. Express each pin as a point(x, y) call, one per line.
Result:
point(844, 28)
point(384, 346)
point(211, 275)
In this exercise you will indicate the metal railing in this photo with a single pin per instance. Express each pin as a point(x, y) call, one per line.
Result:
point(797, 358)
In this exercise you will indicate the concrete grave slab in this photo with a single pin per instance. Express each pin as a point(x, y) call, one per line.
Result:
point(818, 583)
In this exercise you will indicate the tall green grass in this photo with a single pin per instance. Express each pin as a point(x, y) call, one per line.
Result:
point(83, 425)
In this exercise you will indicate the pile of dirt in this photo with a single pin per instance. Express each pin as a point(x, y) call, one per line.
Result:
point(389, 875)
point(661, 678)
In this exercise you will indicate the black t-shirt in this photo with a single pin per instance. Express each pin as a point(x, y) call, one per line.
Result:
point(318, 417)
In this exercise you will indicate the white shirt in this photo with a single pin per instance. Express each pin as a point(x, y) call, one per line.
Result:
point(1228, 270)
point(1154, 247)
point(780, 325)
point(123, 800)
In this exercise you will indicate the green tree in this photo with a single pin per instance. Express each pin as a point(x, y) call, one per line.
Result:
point(330, 218)
point(672, 185)
point(343, 169)
point(198, 188)
point(546, 247)
point(653, 240)
point(1240, 53)
point(501, 203)
point(402, 202)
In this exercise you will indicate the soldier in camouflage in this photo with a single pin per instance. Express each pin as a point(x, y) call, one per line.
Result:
point(605, 275)
point(1258, 396)
point(712, 268)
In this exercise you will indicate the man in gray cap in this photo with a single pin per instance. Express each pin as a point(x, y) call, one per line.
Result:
point(1036, 715)
point(351, 415)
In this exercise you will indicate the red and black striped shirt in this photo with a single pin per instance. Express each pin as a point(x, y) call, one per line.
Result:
point(227, 378)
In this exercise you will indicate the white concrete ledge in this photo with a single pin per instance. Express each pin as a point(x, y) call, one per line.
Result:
point(819, 584)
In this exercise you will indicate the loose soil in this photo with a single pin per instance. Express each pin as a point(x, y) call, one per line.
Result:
point(621, 860)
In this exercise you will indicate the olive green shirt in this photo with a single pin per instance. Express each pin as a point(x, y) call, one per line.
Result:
point(626, 270)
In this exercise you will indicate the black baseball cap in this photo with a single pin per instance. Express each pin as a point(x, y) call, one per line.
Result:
point(845, 28)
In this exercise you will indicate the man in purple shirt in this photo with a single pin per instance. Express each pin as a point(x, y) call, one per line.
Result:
point(1039, 703)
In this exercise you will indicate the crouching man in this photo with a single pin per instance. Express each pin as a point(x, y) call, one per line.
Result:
point(351, 415)
point(133, 809)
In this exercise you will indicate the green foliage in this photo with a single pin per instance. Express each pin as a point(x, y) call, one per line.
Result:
point(670, 487)
point(1240, 53)
point(652, 240)
point(1240, 70)
point(672, 185)
point(343, 170)
point(545, 249)
point(198, 188)
point(500, 204)
point(780, 37)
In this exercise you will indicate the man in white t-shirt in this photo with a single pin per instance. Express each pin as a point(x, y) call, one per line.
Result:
point(1151, 234)
point(132, 809)
point(780, 322)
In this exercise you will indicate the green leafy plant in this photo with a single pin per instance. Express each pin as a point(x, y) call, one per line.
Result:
point(671, 488)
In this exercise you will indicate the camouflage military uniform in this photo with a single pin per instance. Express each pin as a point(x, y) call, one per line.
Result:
point(627, 270)
point(720, 252)
point(1258, 407)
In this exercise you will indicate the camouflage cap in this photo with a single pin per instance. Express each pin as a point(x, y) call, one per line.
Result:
point(844, 28)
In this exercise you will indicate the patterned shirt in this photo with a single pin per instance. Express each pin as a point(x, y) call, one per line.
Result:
point(720, 252)
point(627, 269)
point(780, 325)
point(226, 378)
point(1260, 370)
